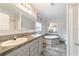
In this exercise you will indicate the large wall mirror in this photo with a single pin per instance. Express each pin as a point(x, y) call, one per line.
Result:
point(38, 26)
point(27, 22)
point(4, 21)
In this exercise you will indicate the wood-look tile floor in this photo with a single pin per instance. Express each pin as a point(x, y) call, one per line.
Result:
point(56, 50)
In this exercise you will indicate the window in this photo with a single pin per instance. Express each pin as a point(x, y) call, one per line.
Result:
point(52, 27)
point(38, 26)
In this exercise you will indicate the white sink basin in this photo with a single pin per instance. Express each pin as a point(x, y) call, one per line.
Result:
point(51, 36)
point(36, 35)
point(14, 42)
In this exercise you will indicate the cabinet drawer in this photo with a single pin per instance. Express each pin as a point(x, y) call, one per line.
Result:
point(33, 44)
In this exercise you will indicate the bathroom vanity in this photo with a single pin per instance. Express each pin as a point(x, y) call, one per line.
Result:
point(30, 45)
point(21, 25)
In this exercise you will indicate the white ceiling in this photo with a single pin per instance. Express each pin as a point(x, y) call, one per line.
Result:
point(55, 11)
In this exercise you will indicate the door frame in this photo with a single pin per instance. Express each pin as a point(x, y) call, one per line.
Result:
point(72, 36)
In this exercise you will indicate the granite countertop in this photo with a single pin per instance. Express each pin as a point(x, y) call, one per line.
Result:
point(5, 49)
point(13, 32)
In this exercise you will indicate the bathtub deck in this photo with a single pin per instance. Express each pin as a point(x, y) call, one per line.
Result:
point(56, 50)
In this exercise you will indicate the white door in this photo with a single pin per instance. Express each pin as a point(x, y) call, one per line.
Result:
point(78, 30)
point(73, 47)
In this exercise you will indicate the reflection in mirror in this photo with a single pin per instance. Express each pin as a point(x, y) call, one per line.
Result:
point(52, 27)
point(38, 26)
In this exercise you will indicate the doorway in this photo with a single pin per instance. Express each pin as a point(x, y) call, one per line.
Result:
point(72, 29)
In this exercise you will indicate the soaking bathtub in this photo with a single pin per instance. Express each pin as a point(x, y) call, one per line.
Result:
point(51, 40)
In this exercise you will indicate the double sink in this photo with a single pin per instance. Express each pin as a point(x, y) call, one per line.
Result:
point(18, 41)
point(14, 42)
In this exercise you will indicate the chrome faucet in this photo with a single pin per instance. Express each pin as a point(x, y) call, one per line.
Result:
point(14, 37)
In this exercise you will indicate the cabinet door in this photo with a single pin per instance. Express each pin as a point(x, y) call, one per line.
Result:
point(35, 52)
point(33, 44)
point(40, 40)
point(24, 53)
point(40, 50)
point(40, 45)
point(19, 51)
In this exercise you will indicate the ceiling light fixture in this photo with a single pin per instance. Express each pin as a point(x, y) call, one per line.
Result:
point(52, 4)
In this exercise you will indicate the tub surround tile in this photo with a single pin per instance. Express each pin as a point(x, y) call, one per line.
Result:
point(56, 50)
